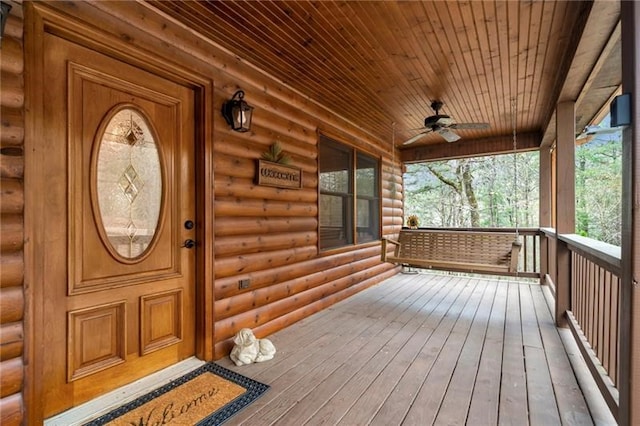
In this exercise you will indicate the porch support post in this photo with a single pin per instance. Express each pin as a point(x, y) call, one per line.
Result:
point(629, 385)
point(565, 203)
point(544, 214)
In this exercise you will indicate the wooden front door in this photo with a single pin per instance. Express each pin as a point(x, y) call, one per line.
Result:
point(119, 210)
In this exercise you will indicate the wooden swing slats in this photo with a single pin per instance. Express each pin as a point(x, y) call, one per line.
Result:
point(471, 251)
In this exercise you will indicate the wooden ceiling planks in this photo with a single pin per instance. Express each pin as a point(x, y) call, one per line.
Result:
point(451, 84)
point(365, 70)
point(379, 62)
point(490, 47)
point(542, 43)
point(467, 29)
point(315, 49)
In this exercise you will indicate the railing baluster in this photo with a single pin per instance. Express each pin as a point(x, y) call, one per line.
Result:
point(595, 306)
point(536, 240)
point(606, 336)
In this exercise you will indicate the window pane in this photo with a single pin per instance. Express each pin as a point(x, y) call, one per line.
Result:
point(335, 230)
point(368, 213)
point(366, 176)
point(336, 199)
point(368, 219)
point(336, 181)
point(335, 166)
point(332, 211)
point(364, 214)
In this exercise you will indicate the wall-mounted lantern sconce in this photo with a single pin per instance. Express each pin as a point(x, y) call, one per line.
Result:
point(4, 9)
point(237, 112)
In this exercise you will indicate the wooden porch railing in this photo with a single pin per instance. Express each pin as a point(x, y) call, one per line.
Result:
point(593, 313)
point(529, 262)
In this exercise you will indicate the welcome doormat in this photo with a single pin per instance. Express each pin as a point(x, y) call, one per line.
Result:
point(206, 396)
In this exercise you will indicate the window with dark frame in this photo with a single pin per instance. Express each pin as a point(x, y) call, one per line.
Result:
point(349, 205)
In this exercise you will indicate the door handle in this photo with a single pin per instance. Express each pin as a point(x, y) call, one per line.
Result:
point(189, 244)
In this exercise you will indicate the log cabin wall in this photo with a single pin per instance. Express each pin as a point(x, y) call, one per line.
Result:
point(11, 208)
point(266, 235)
point(270, 238)
point(12, 302)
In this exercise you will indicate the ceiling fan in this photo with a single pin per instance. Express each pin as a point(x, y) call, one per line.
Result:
point(444, 126)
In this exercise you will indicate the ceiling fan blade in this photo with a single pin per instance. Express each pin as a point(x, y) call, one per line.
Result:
point(595, 130)
point(448, 135)
point(416, 137)
point(468, 126)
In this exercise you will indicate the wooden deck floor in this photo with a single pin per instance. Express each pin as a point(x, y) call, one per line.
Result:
point(419, 350)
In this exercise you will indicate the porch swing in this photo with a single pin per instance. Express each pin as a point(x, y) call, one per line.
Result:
point(460, 251)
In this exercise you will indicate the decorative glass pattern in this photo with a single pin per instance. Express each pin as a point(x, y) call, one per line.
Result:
point(129, 183)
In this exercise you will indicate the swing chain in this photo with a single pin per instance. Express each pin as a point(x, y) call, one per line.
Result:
point(515, 164)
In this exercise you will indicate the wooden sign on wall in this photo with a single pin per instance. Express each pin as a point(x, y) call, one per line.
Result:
point(278, 175)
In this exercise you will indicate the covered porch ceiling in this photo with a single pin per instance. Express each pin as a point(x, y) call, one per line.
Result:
point(377, 63)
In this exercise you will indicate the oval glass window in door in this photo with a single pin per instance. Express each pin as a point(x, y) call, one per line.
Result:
point(129, 184)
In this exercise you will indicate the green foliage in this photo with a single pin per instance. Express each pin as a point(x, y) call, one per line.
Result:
point(599, 190)
point(474, 192)
point(506, 194)
point(276, 155)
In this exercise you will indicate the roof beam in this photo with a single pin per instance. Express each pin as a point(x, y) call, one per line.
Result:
point(472, 148)
point(587, 57)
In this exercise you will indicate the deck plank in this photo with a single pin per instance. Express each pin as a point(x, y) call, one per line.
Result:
point(513, 388)
point(315, 400)
point(335, 410)
point(396, 406)
point(376, 322)
point(319, 330)
point(456, 325)
point(483, 409)
point(370, 402)
point(455, 406)
point(417, 350)
point(572, 406)
point(542, 403)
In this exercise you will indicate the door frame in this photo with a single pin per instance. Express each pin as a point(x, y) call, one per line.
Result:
point(40, 19)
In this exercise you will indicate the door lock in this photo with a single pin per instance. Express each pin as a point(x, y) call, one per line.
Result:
point(189, 244)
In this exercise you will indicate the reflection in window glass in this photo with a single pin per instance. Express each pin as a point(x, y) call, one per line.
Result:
point(366, 173)
point(335, 163)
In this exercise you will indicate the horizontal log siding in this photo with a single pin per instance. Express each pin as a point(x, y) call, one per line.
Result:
point(12, 302)
point(267, 235)
point(392, 196)
point(279, 255)
point(12, 338)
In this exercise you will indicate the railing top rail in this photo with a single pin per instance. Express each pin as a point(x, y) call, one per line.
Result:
point(604, 254)
point(528, 231)
point(548, 231)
